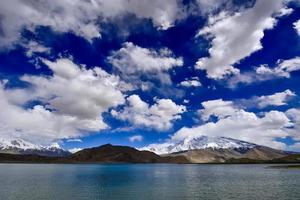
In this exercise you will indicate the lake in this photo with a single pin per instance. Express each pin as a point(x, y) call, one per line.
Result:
point(147, 181)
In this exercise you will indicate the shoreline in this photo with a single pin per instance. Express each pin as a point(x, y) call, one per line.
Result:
point(127, 163)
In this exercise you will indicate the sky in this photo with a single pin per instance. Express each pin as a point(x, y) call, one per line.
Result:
point(82, 73)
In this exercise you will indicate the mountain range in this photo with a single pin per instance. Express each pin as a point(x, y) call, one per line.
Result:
point(22, 147)
point(201, 142)
point(197, 150)
point(204, 149)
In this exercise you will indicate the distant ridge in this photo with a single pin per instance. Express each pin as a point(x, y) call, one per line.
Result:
point(204, 149)
point(210, 155)
point(201, 142)
point(19, 146)
point(102, 154)
point(123, 154)
point(109, 153)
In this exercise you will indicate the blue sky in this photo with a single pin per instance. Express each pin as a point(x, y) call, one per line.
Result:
point(83, 73)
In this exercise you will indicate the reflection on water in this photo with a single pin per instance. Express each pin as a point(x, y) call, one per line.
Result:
point(151, 181)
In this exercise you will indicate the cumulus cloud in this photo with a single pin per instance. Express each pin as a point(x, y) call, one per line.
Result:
point(217, 108)
point(209, 6)
point(235, 122)
point(284, 11)
point(192, 82)
point(63, 16)
point(221, 109)
point(294, 115)
point(159, 116)
point(294, 147)
point(72, 102)
point(297, 26)
point(32, 47)
point(243, 125)
point(212, 7)
point(79, 16)
point(282, 69)
point(277, 99)
point(162, 13)
point(132, 61)
point(96, 90)
point(74, 140)
point(136, 138)
point(186, 101)
point(228, 31)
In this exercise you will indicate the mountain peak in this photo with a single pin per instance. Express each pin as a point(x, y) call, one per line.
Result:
point(20, 146)
point(106, 145)
point(201, 142)
point(17, 143)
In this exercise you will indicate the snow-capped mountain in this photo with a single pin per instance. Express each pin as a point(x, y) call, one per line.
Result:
point(19, 146)
point(202, 142)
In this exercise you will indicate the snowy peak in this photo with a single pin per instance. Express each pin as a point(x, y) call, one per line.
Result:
point(202, 142)
point(19, 146)
point(17, 143)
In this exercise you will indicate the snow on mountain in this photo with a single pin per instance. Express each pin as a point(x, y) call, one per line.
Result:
point(19, 146)
point(202, 142)
point(17, 143)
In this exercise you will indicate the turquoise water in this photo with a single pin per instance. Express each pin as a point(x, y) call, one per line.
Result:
point(151, 181)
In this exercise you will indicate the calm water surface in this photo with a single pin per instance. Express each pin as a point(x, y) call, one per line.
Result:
point(151, 181)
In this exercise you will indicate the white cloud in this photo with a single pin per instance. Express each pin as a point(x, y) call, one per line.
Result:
point(244, 78)
point(294, 147)
point(79, 16)
point(297, 26)
point(285, 67)
point(284, 11)
point(242, 125)
point(138, 59)
point(294, 115)
point(277, 99)
point(193, 82)
point(136, 138)
point(245, 126)
point(73, 99)
point(282, 69)
point(264, 70)
point(133, 61)
point(217, 108)
point(159, 116)
point(237, 123)
point(33, 47)
point(74, 140)
point(41, 126)
point(236, 36)
point(208, 6)
point(63, 16)
point(163, 13)
point(186, 101)
point(222, 109)
point(95, 89)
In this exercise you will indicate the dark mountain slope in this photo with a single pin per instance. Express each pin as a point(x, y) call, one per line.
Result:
point(212, 155)
point(109, 153)
point(123, 154)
